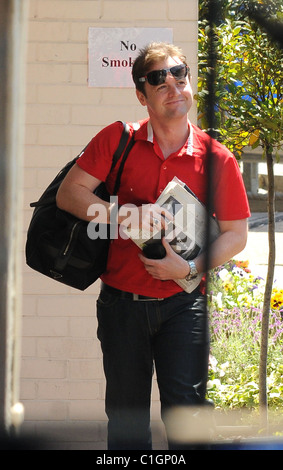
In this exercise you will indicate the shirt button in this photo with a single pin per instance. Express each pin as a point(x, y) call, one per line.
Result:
point(165, 167)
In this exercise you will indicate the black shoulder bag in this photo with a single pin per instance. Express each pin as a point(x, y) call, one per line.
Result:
point(57, 244)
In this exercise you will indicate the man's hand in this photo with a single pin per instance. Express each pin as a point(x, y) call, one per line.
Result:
point(148, 217)
point(173, 266)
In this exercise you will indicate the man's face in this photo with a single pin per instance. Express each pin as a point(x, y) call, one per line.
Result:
point(170, 100)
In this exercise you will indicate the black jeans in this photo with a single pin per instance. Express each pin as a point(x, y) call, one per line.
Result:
point(171, 334)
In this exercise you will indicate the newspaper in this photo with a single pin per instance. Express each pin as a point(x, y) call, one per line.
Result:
point(186, 233)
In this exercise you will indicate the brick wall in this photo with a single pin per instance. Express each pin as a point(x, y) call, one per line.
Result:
point(62, 378)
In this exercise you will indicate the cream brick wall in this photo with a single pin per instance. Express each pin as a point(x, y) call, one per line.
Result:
point(61, 375)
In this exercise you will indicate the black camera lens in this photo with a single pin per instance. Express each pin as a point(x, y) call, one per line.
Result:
point(154, 250)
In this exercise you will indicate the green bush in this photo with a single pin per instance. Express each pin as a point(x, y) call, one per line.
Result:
point(235, 304)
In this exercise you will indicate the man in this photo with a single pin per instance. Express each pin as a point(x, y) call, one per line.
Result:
point(144, 317)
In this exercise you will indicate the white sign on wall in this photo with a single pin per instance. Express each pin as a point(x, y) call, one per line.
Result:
point(113, 50)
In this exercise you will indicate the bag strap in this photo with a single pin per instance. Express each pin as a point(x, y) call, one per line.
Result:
point(121, 146)
point(122, 164)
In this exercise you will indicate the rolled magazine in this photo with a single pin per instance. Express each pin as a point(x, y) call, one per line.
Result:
point(186, 234)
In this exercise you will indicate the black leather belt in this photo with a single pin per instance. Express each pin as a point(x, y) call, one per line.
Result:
point(126, 295)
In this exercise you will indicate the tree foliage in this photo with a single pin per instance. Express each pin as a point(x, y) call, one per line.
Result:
point(249, 80)
point(241, 53)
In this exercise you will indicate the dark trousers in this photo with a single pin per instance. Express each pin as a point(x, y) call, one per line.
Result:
point(135, 336)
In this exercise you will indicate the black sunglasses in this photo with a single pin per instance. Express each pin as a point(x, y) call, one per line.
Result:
point(157, 77)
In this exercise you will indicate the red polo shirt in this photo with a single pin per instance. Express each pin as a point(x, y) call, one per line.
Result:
point(145, 175)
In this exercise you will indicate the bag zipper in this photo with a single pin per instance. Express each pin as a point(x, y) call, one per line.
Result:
point(71, 238)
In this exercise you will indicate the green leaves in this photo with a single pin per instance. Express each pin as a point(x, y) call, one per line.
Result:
point(249, 85)
point(235, 306)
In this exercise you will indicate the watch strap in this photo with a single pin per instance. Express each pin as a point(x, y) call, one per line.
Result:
point(193, 271)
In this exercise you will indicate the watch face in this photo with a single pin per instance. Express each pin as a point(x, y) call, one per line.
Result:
point(194, 272)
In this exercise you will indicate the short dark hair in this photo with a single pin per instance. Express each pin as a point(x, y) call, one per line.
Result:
point(149, 55)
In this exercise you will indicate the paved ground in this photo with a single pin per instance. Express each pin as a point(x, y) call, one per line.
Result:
point(256, 250)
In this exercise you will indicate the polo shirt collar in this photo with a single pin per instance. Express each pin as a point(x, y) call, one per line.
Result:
point(190, 147)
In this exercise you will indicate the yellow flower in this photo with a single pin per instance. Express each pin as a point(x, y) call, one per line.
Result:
point(277, 298)
point(228, 286)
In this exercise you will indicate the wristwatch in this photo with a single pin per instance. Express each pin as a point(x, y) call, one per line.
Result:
point(193, 272)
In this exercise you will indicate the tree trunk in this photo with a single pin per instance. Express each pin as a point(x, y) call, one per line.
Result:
point(263, 401)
